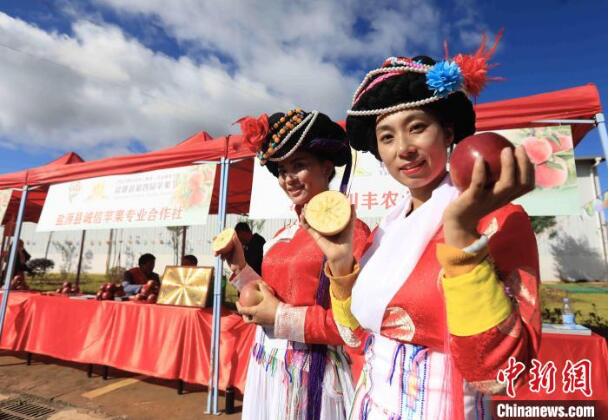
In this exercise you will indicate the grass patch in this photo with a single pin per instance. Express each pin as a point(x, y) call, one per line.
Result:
point(584, 297)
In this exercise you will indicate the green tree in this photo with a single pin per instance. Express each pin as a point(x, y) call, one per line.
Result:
point(542, 223)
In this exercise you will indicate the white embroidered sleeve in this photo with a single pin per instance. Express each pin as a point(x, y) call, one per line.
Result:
point(290, 322)
point(244, 277)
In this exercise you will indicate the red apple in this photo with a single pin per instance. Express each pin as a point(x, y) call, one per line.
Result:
point(98, 296)
point(151, 298)
point(65, 290)
point(140, 296)
point(488, 146)
point(120, 291)
point(106, 295)
point(151, 283)
point(250, 295)
point(66, 284)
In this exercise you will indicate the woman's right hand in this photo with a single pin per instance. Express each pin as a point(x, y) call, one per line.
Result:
point(338, 249)
point(235, 258)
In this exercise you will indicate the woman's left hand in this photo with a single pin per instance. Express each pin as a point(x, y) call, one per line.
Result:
point(462, 216)
point(263, 313)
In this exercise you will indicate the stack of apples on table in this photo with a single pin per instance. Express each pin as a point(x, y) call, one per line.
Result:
point(148, 293)
point(68, 289)
point(108, 291)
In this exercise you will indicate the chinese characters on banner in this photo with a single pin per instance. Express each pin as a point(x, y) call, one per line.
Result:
point(574, 377)
point(5, 198)
point(167, 197)
point(372, 190)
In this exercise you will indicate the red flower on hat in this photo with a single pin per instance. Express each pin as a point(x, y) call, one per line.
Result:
point(254, 131)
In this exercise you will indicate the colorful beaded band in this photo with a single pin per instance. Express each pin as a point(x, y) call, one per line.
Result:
point(283, 130)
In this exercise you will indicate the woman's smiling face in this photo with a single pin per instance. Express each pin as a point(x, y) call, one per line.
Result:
point(302, 176)
point(413, 146)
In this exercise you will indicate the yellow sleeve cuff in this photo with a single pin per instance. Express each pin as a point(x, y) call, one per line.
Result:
point(341, 310)
point(342, 284)
point(455, 261)
point(475, 301)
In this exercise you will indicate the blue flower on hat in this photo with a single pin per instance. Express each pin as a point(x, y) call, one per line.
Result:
point(444, 78)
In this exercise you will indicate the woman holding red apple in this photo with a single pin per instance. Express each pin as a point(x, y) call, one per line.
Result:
point(297, 368)
point(448, 288)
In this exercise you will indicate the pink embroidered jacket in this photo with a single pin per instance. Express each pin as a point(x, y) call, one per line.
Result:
point(416, 314)
point(291, 267)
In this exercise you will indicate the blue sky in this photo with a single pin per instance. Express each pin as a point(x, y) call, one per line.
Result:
point(110, 77)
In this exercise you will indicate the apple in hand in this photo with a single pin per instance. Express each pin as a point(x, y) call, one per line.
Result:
point(250, 295)
point(488, 146)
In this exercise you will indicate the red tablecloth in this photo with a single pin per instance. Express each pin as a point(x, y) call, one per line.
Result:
point(561, 348)
point(169, 342)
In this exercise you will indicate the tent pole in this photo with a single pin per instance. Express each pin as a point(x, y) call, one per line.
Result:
point(46, 250)
point(218, 291)
point(212, 396)
point(4, 236)
point(82, 247)
point(12, 259)
point(183, 242)
point(602, 131)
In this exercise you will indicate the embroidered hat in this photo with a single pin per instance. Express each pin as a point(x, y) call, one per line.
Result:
point(403, 83)
point(279, 136)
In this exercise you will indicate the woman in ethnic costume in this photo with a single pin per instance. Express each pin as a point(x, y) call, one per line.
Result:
point(297, 368)
point(448, 288)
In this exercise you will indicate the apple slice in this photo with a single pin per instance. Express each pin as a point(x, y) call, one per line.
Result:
point(328, 212)
point(223, 243)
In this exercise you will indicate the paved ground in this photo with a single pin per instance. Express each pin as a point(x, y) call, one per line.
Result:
point(122, 396)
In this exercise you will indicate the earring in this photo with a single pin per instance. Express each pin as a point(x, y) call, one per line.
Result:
point(449, 151)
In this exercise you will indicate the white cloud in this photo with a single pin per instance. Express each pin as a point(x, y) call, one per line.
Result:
point(97, 89)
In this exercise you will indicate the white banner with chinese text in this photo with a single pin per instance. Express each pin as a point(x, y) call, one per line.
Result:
point(372, 190)
point(167, 197)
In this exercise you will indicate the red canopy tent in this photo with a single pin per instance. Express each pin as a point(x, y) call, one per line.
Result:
point(199, 147)
point(582, 102)
point(35, 199)
point(575, 103)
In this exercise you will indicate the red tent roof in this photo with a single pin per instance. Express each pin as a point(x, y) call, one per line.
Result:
point(20, 178)
point(35, 199)
point(200, 147)
point(576, 103)
point(581, 102)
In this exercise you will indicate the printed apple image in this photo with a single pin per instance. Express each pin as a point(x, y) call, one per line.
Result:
point(564, 143)
point(551, 174)
point(539, 150)
point(488, 146)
